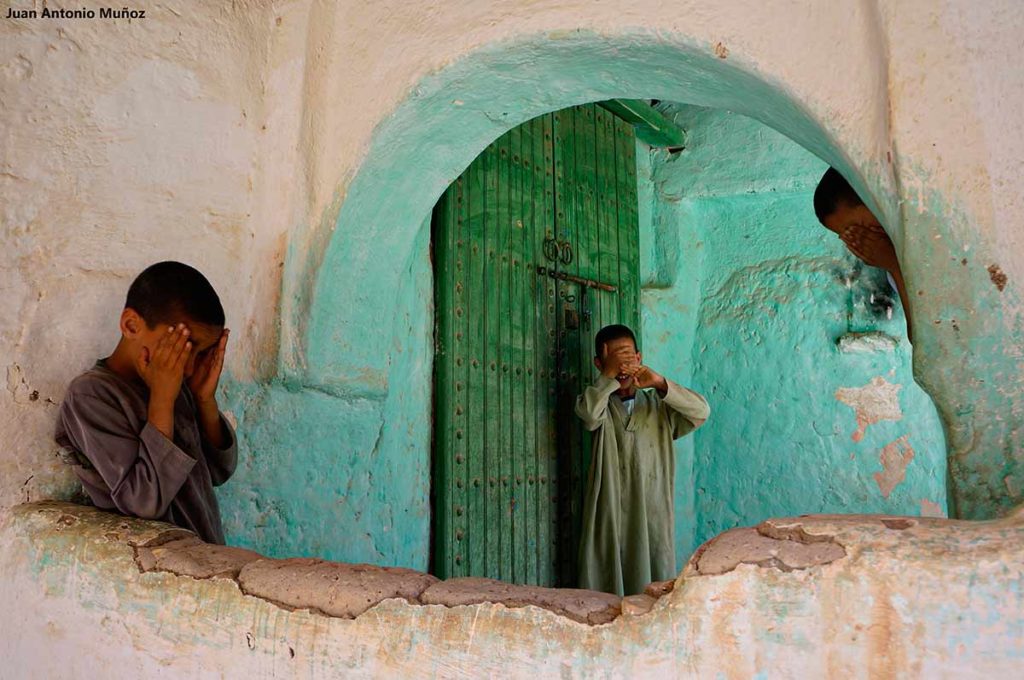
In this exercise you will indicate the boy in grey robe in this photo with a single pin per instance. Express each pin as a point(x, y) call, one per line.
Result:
point(143, 424)
point(627, 539)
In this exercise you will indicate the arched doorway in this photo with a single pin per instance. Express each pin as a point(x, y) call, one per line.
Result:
point(535, 248)
point(361, 261)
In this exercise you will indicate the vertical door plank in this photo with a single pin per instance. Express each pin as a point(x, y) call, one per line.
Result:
point(456, 363)
point(547, 361)
point(515, 363)
point(527, 491)
point(628, 226)
point(476, 384)
point(502, 341)
point(491, 407)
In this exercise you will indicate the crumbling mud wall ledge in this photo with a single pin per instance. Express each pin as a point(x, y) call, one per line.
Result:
point(847, 596)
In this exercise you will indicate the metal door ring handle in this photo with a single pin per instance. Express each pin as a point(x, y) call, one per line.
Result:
point(565, 252)
point(551, 248)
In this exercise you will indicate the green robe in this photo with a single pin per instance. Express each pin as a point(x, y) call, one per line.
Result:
point(627, 538)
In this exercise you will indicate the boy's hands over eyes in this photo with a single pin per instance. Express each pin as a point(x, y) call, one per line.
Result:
point(872, 245)
point(206, 374)
point(644, 377)
point(163, 368)
point(613, 362)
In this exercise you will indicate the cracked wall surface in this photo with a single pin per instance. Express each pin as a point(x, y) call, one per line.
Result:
point(814, 596)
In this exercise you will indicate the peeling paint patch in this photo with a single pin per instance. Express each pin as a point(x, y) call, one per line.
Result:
point(931, 509)
point(995, 272)
point(788, 548)
point(878, 400)
point(895, 458)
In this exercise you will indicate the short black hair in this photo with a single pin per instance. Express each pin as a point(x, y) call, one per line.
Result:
point(609, 333)
point(166, 291)
point(833, 190)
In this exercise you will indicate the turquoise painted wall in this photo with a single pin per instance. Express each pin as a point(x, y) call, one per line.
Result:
point(745, 297)
point(343, 476)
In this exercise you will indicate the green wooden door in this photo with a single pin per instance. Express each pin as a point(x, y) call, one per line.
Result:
point(535, 248)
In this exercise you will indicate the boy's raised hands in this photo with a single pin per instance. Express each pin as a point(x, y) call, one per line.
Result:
point(206, 374)
point(871, 245)
point(613, 361)
point(163, 367)
point(644, 376)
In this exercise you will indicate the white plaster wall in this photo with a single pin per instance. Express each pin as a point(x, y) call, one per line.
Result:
point(174, 137)
point(225, 134)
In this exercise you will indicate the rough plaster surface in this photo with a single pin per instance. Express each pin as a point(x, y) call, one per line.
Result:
point(911, 597)
point(348, 590)
point(345, 590)
point(189, 556)
point(635, 605)
point(585, 606)
point(758, 546)
point(659, 588)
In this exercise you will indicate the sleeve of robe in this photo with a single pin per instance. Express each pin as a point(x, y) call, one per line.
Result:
point(592, 405)
point(221, 462)
point(143, 469)
point(682, 408)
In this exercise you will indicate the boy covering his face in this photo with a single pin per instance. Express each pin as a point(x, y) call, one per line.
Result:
point(841, 211)
point(144, 424)
point(635, 414)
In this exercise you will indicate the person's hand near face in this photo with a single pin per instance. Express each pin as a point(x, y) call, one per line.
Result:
point(645, 376)
point(163, 369)
point(616, 354)
point(615, 358)
point(206, 371)
point(871, 245)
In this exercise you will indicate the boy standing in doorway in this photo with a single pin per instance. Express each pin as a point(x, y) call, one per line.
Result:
point(635, 414)
point(143, 423)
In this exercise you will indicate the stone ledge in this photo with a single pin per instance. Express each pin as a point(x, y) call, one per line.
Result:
point(332, 588)
point(584, 606)
point(189, 556)
point(766, 545)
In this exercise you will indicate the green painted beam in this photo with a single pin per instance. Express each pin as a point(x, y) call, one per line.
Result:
point(652, 127)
